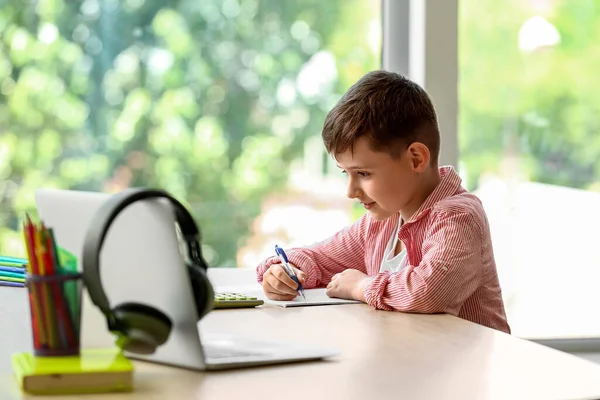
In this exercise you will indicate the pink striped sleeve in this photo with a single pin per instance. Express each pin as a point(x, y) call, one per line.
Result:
point(322, 260)
point(449, 272)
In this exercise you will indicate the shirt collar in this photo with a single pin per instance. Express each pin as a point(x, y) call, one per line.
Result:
point(449, 184)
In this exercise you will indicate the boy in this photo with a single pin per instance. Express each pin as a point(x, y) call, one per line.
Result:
point(424, 245)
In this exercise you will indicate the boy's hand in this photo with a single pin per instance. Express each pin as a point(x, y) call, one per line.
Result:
point(277, 285)
point(349, 284)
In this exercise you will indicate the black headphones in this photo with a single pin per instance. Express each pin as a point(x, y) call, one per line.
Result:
point(141, 328)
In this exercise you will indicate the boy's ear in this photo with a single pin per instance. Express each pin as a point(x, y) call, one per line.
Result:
point(419, 156)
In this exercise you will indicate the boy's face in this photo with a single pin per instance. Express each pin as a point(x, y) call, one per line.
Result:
point(382, 184)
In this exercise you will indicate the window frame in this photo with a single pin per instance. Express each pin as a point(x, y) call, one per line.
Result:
point(420, 40)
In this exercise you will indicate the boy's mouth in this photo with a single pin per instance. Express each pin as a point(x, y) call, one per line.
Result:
point(368, 205)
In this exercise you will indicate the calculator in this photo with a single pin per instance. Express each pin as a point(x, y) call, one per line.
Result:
point(235, 300)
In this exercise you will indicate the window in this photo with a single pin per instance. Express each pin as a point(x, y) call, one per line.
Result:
point(219, 102)
point(529, 107)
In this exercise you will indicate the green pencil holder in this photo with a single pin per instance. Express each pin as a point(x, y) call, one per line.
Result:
point(55, 306)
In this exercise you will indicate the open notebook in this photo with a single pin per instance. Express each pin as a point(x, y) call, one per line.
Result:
point(314, 297)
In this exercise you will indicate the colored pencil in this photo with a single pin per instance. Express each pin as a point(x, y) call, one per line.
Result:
point(65, 325)
point(58, 336)
point(12, 260)
point(20, 271)
point(36, 319)
point(47, 271)
point(11, 279)
point(6, 274)
point(44, 301)
point(13, 284)
point(42, 296)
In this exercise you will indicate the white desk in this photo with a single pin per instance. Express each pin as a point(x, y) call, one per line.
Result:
point(384, 355)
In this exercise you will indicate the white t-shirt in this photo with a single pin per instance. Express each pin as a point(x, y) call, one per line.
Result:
point(390, 262)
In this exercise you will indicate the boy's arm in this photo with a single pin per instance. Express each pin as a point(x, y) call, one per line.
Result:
point(449, 272)
point(322, 260)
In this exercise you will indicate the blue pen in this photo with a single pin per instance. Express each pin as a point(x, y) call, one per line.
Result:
point(288, 269)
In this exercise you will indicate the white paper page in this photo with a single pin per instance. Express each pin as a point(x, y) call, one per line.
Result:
point(314, 297)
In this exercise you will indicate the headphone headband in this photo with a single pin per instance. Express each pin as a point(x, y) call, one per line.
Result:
point(100, 225)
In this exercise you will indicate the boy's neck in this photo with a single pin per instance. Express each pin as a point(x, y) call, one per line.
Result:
point(431, 179)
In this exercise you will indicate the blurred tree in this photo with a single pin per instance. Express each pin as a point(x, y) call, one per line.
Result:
point(206, 99)
point(527, 96)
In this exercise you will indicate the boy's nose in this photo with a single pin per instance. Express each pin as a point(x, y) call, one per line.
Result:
point(353, 191)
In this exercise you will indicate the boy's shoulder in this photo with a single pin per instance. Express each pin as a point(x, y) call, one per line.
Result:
point(461, 203)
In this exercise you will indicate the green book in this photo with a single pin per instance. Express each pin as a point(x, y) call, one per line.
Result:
point(93, 371)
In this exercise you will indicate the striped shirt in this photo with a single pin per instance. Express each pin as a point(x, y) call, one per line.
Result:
point(450, 264)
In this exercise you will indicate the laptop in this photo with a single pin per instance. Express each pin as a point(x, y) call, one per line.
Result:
point(141, 262)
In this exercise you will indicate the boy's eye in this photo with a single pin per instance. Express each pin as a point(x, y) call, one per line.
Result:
point(359, 173)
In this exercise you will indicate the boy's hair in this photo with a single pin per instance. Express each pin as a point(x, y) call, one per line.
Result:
point(391, 110)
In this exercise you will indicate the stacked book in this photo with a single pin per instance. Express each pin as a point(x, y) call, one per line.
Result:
point(12, 271)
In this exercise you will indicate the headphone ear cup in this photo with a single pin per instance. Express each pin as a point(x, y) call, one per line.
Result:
point(142, 328)
point(204, 295)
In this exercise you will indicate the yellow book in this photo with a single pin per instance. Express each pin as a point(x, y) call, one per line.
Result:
point(93, 371)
